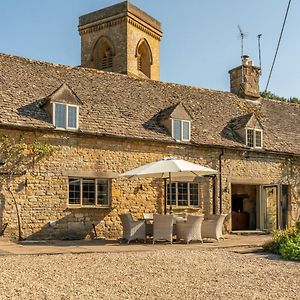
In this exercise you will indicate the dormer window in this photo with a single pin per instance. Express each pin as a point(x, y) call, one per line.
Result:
point(254, 138)
point(181, 130)
point(247, 130)
point(65, 116)
point(177, 120)
point(63, 108)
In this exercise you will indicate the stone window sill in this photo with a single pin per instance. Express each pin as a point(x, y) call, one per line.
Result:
point(88, 206)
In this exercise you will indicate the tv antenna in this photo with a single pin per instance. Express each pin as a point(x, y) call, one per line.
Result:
point(259, 53)
point(243, 35)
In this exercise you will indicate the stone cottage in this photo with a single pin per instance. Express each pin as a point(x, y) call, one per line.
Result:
point(113, 114)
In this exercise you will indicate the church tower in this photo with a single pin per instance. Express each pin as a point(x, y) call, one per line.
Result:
point(123, 39)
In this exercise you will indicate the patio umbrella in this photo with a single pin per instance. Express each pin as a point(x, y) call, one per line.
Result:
point(168, 167)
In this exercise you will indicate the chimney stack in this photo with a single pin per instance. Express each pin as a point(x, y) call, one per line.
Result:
point(244, 80)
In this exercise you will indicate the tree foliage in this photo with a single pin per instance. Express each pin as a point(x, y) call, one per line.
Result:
point(273, 96)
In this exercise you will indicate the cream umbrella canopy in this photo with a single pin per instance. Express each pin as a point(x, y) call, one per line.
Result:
point(168, 167)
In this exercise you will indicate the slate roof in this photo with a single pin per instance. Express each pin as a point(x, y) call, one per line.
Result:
point(119, 105)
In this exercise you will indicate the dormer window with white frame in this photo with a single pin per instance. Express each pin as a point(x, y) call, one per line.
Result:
point(254, 138)
point(181, 130)
point(65, 116)
point(62, 107)
point(177, 120)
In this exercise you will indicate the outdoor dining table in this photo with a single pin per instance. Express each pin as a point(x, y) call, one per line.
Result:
point(149, 225)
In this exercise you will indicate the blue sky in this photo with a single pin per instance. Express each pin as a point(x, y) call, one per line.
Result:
point(199, 46)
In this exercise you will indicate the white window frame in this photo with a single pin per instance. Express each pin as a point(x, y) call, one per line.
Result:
point(66, 116)
point(254, 137)
point(70, 205)
point(181, 130)
point(261, 142)
point(189, 196)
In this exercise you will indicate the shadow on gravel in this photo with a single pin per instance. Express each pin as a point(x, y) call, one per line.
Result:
point(271, 256)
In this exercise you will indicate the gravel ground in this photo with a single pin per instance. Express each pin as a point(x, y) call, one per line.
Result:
point(165, 274)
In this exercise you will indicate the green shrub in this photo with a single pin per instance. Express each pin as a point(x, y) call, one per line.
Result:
point(285, 243)
point(291, 249)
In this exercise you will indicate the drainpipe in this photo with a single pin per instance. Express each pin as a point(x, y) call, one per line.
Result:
point(214, 178)
point(220, 179)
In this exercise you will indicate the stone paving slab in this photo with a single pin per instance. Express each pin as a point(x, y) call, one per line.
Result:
point(107, 246)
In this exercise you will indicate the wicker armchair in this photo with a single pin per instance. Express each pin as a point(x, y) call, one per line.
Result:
point(132, 230)
point(163, 228)
point(212, 227)
point(190, 230)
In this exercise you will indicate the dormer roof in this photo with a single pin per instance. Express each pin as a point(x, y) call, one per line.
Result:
point(246, 121)
point(176, 111)
point(63, 94)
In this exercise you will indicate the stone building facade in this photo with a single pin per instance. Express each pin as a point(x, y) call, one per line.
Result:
point(101, 124)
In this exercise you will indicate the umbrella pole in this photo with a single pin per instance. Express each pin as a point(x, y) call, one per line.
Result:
point(170, 192)
point(165, 196)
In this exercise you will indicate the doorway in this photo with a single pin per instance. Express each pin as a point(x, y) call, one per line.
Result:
point(244, 207)
point(259, 207)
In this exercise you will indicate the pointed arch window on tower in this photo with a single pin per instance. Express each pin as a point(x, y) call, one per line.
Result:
point(103, 54)
point(144, 58)
point(106, 57)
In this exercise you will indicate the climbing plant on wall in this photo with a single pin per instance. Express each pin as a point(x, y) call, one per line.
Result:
point(18, 158)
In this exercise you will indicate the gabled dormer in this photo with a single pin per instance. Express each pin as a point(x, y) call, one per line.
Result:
point(177, 120)
point(63, 106)
point(249, 128)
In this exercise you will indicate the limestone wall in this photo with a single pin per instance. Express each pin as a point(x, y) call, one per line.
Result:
point(42, 193)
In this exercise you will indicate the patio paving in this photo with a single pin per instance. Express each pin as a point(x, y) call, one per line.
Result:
point(252, 242)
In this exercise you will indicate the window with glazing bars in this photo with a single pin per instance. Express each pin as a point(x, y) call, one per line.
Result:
point(184, 194)
point(254, 138)
point(89, 192)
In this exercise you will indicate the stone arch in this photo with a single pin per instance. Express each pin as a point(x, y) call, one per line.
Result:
point(144, 57)
point(103, 54)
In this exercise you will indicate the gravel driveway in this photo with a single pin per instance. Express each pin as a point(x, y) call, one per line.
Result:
point(163, 274)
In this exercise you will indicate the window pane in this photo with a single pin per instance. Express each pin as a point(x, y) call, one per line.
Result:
point(177, 130)
point(74, 191)
point(173, 193)
point(258, 138)
point(102, 192)
point(88, 192)
point(194, 194)
point(186, 130)
point(72, 117)
point(250, 137)
point(60, 115)
point(182, 194)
